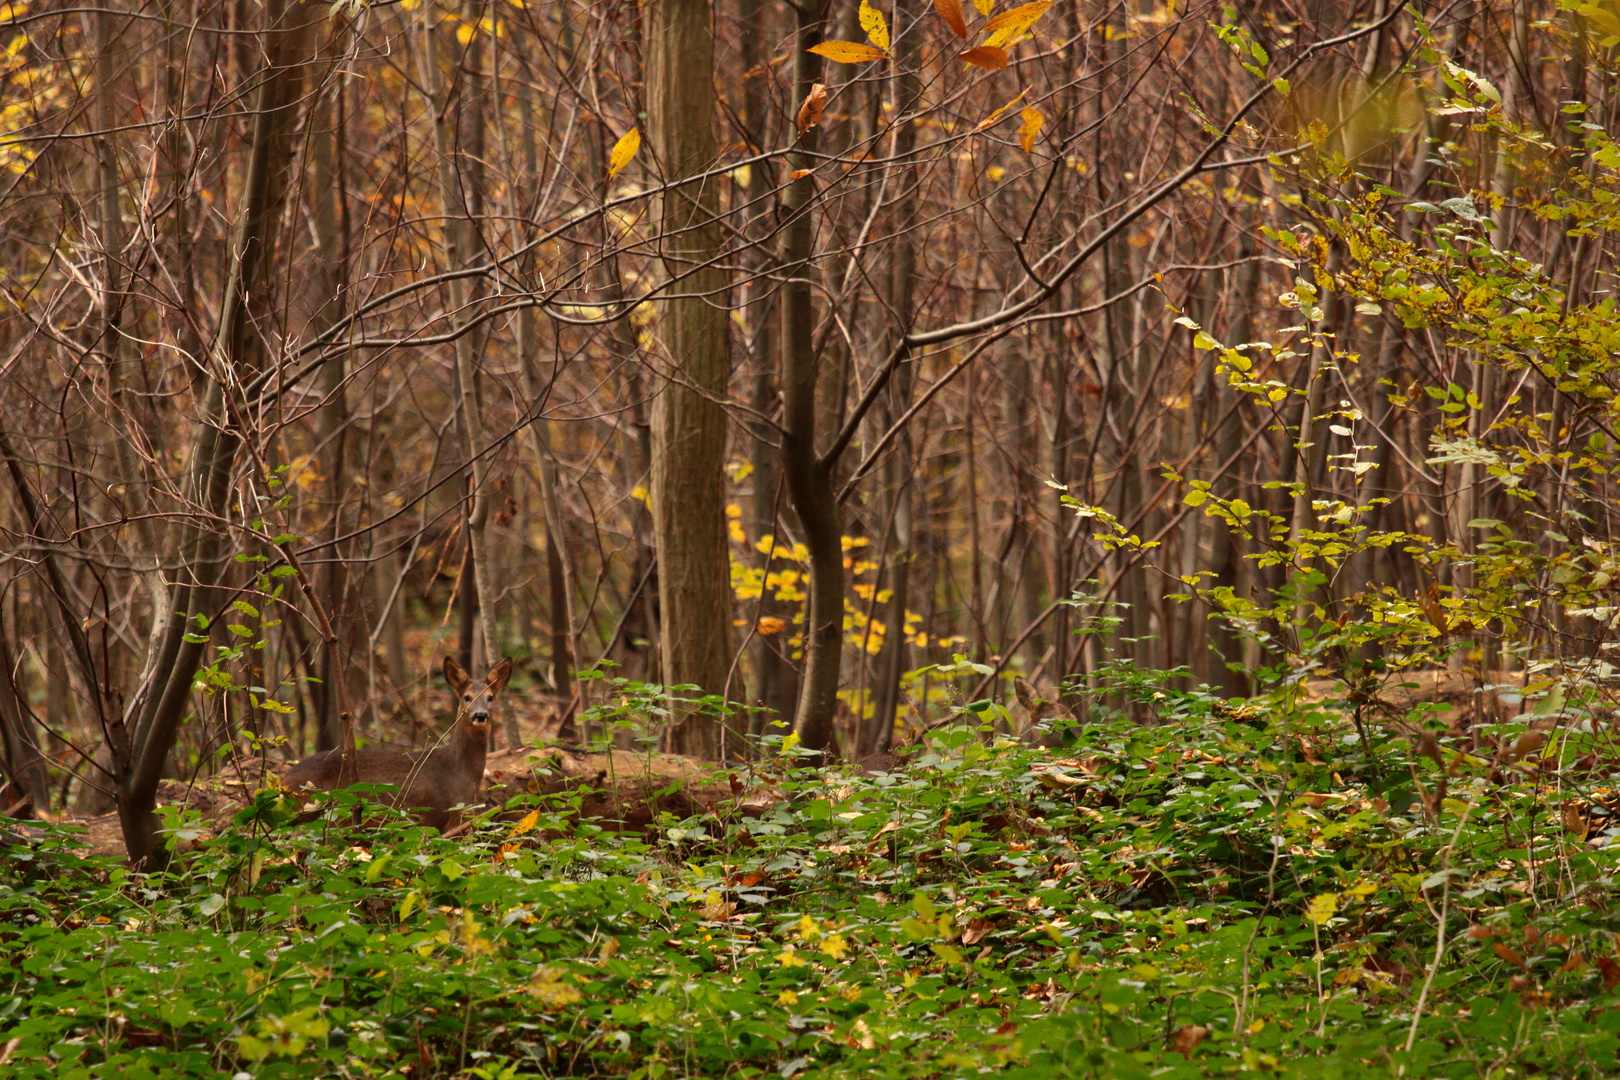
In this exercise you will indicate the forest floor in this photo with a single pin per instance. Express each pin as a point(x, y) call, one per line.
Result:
point(1269, 890)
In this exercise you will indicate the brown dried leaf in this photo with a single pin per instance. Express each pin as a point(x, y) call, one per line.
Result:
point(976, 930)
point(951, 12)
point(810, 111)
point(1574, 821)
point(717, 912)
point(1508, 954)
point(1610, 970)
point(1527, 744)
point(986, 57)
point(1187, 1038)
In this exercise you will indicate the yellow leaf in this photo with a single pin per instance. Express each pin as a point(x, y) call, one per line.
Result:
point(464, 33)
point(877, 31)
point(848, 52)
point(995, 117)
point(1321, 908)
point(951, 12)
point(530, 820)
point(548, 988)
point(1009, 26)
point(986, 57)
point(1030, 128)
point(985, 6)
point(623, 151)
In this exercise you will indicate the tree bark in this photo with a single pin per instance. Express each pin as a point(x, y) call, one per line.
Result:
point(688, 424)
point(808, 479)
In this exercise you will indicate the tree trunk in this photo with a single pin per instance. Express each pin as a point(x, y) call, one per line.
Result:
point(157, 710)
point(808, 479)
point(688, 425)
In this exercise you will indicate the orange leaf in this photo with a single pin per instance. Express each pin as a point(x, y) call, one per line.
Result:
point(986, 57)
point(798, 174)
point(1030, 128)
point(848, 52)
point(951, 12)
point(1009, 26)
point(1611, 972)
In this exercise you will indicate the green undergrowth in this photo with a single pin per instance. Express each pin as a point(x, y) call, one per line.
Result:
point(1217, 893)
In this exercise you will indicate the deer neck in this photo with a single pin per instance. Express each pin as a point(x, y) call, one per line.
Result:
point(469, 746)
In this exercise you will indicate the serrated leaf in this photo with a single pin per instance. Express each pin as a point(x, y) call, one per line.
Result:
point(848, 52)
point(1008, 27)
point(877, 30)
point(951, 12)
point(1030, 128)
point(986, 57)
point(623, 151)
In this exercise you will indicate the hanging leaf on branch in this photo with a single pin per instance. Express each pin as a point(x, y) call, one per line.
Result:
point(951, 12)
point(1030, 128)
point(986, 57)
point(623, 151)
point(1010, 26)
point(994, 118)
point(810, 111)
point(848, 52)
point(877, 30)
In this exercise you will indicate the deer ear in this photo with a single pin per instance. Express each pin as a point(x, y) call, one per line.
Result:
point(457, 678)
point(496, 679)
point(1026, 692)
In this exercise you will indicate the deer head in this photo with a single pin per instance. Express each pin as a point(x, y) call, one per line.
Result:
point(473, 701)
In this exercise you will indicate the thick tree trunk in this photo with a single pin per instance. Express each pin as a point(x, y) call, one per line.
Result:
point(688, 425)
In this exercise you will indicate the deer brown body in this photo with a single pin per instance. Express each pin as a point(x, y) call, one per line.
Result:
point(430, 781)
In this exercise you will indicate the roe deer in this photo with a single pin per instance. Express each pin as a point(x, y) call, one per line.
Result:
point(1038, 708)
point(429, 781)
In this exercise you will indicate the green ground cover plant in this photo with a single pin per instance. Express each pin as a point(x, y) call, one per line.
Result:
point(1266, 890)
